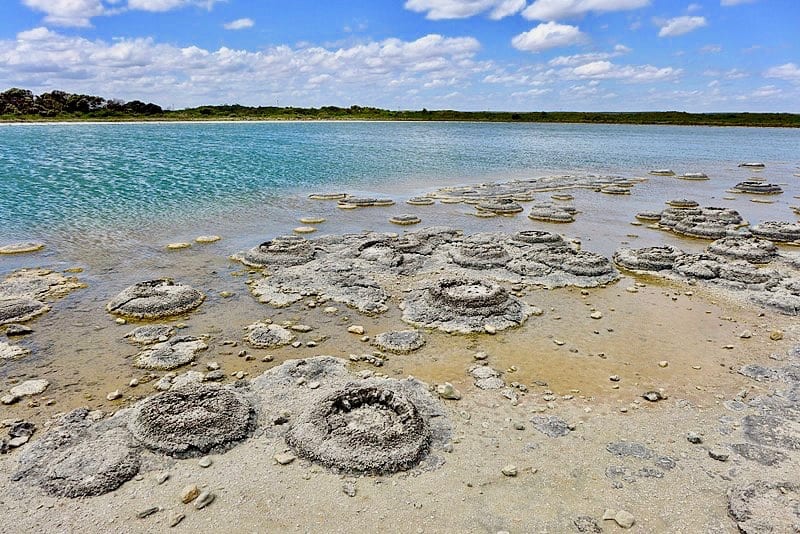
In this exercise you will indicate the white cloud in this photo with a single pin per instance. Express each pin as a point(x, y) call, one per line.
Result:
point(548, 35)
point(561, 9)
point(766, 91)
point(680, 26)
point(606, 70)
point(239, 24)
point(41, 59)
point(67, 12)
point(735, 2)
point(788, 71)
point(579, 59)
point(460, 9)
point(169, 5)
point(691, 8)
point(711, 49)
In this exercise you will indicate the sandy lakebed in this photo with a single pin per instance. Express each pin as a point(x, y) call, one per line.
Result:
point(524, 359)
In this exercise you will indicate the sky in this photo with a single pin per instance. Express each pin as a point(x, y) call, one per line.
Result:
point(503, 55)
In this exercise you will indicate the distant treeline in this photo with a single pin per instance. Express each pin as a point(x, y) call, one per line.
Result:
point(23, 105)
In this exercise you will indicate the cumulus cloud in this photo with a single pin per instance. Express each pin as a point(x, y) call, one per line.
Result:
point(67, 12)
point(561, 9)
point(460, 9)
point(41, 59)
point(548, 35)
point(579, 59)
point(606, 70)
point(239, 24)
point(788, 71)
point(680, 26)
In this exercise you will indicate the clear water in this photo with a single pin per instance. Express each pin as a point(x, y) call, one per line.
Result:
point(107, 183)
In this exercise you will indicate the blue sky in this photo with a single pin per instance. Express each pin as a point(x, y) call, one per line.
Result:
point(528, 55)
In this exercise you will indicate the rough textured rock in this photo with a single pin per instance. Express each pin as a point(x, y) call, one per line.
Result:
point(772, 431)
point(193, 420)
point(779, 231)
point(149, 334)
point(400, 341)
point(474, 254)
point(759, 454)
point(751, 249)
point(170, 354)
point(551, 212)
point(37, 284)
point(757, 188)
point(405, 219)
point(267, 336)
point(77, 458)
point(486, 377)
point(464, 306)
point(659, 258)
point(17, 310)
point(420, 201)
point(283, 251)
point(153, 299)
point(9, 351)
point(362, 429)
point(682, 203)
point(550, 425)
point(501, 206)
point(762, 507)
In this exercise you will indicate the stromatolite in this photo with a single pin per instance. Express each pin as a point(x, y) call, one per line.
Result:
point(750, 249)
point(153, 299)
point(400, 341)
point(282, 251)
point(659, 258)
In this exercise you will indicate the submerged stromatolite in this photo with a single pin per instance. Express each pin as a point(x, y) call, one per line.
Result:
point(18, 310)
point(501, 206)
point(750, 249)
point(659, 258)
point(757, 188)
point(153, 299)
point(550, 212)
point(461, 305)
point(193, 420)
point(282, 251)
point(21, 248)
point(78, 458)
point(400, 341)
point(362, 429)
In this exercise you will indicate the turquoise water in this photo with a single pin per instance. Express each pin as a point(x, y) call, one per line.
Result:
point(66, 179)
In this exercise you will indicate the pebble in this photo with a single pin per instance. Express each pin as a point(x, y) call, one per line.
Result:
point(297, 345)
point(330, 309)
point(189, 493)
point(596, 315)
point(448, 392)
point(178, 246)
point(489, 329)
point(302, 328)
point(204, 499)
point(284, 458)
point(18, 441)
point(163, 477)
point(510, 470)
point(519, 426)
point(18, 330)
point(624, 519)
point(614, 378)
point(349, 488)
point(356, 329)
point(558, 342)
point(176, 518)
point(212, 366)
point(29, 387)
point(694, 437)
point(120, 320)
point(746, 334)
point(114, 395)
point(776, 335)
point(721, 455)
point(133, 383)
point(205, 461)
point(205, 239)
point(481, 356)
point(147, 512)
point(225, 294)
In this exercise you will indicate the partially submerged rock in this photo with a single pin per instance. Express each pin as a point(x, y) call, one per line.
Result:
point(464, 306)
point(400, 341)
point(550, 212)
point(38, 284)
point(21, 248)
point(193, 420)
point(405, 219)
point(149, 334)
point(170, 354)
point(420, 201)
point(662, 172)
point(751, 249)
point(500, 206)
point(778, 231)
point(154, 299)
point(697, 176)
point(18, 310)
point(9, 351)
point(267, 336)
point(757, 188)
point(283, 251)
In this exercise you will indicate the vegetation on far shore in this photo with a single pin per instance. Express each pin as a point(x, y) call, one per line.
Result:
point(21, 105)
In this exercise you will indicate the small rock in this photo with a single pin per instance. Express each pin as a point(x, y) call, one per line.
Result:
point(284, 458)
point(448, 392)
point(133, 383)
point(212, 366)
point(225, 295)
point(302, 328)
point(18, 330)
point(205, 461)
point(349, 488)
point(163, 477)
point(19, 441)
point(175, 518)
point(178, 246)
point(330, 309)
point(509, 470)
point(147, 512)
point(203, 500)
point(596, 315)
point(694, 437)
point(481, 356)
point(746, 334)
point(120, 320)
point(652, 396)
point(216, 374)
point(114, 395)
point(9, 399)
point(29, 388)
point(624, 519)
point(609, 514)
point(776, 335)
point(721, 455)
point(614, 378)
point(356, 329)
point(205, 239)
point(519, 426)
point(189, 493)
point(663, 363)
point(490, 329)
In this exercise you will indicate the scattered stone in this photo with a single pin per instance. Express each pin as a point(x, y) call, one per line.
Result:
point(170, 354)
point(624, 519)
point(189, 493)
point(663, 363)
point(776, 335)
point(114, 395)
point(284, 458)
point(204, 499)
point(304, 230)
point(721, 455)
point(349, 488)
point(596, 315)
point(268, 336)
point(694, 438)
point(652, 396)
point(178, 246)
point(147, 512)
point(18, 330)
point(448, 392)
point(400, 341)
point(356, 329)
point(29, 388)
point(10, 352)
point(509, 470)
point(551, 425)
point(746, 334)
point(205, 461)
point(175, 518)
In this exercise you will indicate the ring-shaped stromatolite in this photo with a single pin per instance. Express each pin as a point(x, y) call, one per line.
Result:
point(659, 258)
point(400, 341)
point(362, 429)
point(193, 420)
point(405, 219)
point(468, 294)
point(18, 310)
point(501, 206)
point(420, 201)
point(682, 203)
point(539, 237)
point(283, 251)
point(153, 299)
point(480, 255)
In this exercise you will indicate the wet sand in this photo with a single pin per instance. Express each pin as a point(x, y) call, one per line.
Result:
point(80, 349)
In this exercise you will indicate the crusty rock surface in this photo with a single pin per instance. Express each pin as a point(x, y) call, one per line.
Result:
point(154, 299)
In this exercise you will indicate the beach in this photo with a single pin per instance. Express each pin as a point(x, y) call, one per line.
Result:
point(561, 377)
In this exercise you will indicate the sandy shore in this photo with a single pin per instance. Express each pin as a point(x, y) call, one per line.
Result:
point(585, 357)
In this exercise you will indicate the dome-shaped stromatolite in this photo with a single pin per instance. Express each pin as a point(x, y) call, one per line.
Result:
point(420, 201)
point(193, 420)
point(400, 341)
point(539, 237)
point(693, 176)
point(549, 212)
point(649, 216)
point(362, 429)
point(659, 258)
point(682, 203)
point(757, 188)
point(750, 249)
point(170, 354)
point(479, 255)
point(458, 305)
point(282, 251)
point(154, 299)
point(662, 172)
point(779, 231)
point(579, 263)
point(405, 219)
point(17, 310)
point(267, 336)
point(501, 206)
point(701, 227)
